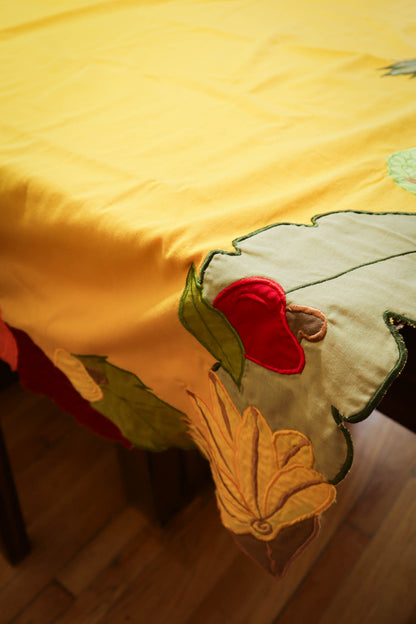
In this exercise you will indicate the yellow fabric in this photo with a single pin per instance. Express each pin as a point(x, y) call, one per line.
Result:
point(135, 137)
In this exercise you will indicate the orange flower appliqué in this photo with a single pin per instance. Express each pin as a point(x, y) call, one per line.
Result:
point(265, 480)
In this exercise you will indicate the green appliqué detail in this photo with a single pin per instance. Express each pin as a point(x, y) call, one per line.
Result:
point(143, 418)
point(351, 270)
point(402, 67)
point(211, 328)
point(390, 318)
point(402, 168)
point(314, 224)
point(350, 447)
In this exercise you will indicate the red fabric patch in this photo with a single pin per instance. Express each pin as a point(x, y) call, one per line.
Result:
point(256, 308)
point(39, 375)
point(8, 346)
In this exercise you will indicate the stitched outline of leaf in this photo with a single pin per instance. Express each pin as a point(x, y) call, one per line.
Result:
point(211, 328)
point(143, 418)
point(264, 480)
point(402, 67)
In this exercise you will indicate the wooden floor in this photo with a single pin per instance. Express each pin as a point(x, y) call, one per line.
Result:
point(94, 559)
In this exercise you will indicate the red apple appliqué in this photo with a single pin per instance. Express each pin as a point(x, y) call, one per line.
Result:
point(256, 308)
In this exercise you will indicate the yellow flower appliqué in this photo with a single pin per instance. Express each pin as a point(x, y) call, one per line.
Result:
point(265, 481)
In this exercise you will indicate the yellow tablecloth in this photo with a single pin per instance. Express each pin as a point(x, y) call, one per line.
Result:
point(136, 137)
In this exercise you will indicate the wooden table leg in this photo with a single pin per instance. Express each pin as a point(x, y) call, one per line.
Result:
point(161, 484)
point(13, 536)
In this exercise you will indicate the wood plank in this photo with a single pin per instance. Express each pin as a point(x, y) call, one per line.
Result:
point(208, 613)
point(34, 431)
point(381, 587)
point(310, 600)
point(56, 471)
point(62, 530)
point(174, 583)
point(7, 571)
point(16, 401)
point(49, 604)
point(396, 458)
point(412, 617)
point(130, 572)
point(101, 550)
point(92, 604)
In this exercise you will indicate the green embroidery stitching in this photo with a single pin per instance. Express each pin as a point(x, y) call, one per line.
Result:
point(389, 318)
point(143, 418)
point(359, 266)
point(402, 168)
point(211, 328)
point(350, 448)
point(402, 67)
point(314, 223)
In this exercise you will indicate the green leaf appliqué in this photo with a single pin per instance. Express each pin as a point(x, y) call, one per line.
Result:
point(143, 418)
point(402, 67)
point(402, 168)
point(211, 328)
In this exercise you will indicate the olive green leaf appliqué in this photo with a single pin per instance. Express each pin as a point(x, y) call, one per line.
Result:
point(211, 328)
point(143, 418)
point(402, 168)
